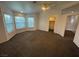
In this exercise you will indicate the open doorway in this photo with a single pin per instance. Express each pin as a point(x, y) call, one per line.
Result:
point(71, 26)
point(51, 23)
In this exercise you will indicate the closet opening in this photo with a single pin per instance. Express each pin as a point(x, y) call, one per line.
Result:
point(71, 26)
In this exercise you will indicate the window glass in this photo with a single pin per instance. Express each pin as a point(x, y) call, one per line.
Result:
point(20, 22)
point(8, 22)
point(30, 21)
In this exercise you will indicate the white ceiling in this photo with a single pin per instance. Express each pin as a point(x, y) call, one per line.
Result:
point(29, 6)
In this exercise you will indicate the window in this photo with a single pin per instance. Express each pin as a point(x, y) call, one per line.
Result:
point(30, 22)
point(20, 22)
point(8, 22)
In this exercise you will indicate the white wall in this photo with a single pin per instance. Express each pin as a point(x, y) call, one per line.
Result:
point(8, 11)
point(3, 37)
point(59, 23)
point(76, 38)
point(43, 22)
point(72, 22)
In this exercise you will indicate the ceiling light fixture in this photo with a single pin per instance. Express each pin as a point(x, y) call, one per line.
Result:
point(45, 7)
point(72, 11)
point(21, 11)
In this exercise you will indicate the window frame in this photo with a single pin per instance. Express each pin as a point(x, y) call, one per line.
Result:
point(33, 21)
point(24, 22)
point(5, 22)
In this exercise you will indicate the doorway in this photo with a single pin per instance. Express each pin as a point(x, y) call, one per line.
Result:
point(71, 26)
point(51, 23)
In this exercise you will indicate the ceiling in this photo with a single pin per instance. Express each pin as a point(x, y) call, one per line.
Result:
point(30, 6)
point(73, 8)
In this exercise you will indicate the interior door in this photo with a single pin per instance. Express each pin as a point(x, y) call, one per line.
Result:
point(51, 25)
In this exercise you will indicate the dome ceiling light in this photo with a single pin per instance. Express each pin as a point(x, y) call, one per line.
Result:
point(45, 7)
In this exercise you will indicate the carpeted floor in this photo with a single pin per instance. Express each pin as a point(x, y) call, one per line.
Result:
point(39, 44)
